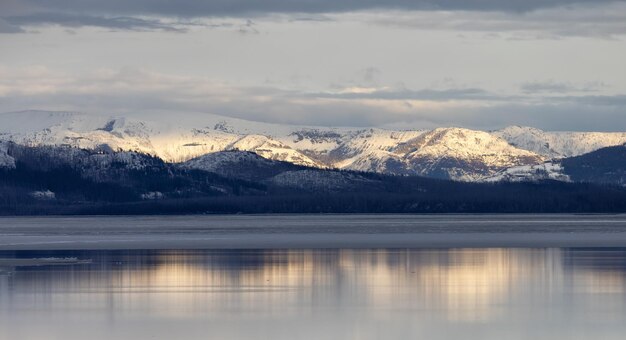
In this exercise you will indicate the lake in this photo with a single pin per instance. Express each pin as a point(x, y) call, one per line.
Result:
point(314, 277)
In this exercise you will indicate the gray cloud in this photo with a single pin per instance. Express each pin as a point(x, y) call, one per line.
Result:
point(201, 8)
point(618, 101)
point(425, 94)
point(130, 15)
point(551, 86)
point(567, 116)
point(75, 20)
point(547, 116)
point(6, 27)
point(598, 20)
point(139, 92)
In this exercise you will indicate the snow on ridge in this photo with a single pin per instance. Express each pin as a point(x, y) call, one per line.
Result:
point(6, 161)
point(272, 149)
point(559, 144)
point(213, 161)
point(462, 143)
point(23, 122)
point(181, 137)
point(463, 154)
point(455, 153)
point(526, 173)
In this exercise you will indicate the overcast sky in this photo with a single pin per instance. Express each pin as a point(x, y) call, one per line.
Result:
point(551, 64)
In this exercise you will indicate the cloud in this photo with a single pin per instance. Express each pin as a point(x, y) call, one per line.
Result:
point(140, 92)
point(553, 18)
point(555, 87)
point(618, 100)
point(6, 27)
point(407, 94)
point(599, 19)
point(76, 20)
point(234, 8)
point(553, 116)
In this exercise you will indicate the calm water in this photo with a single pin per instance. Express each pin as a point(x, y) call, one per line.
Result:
point(461, 293)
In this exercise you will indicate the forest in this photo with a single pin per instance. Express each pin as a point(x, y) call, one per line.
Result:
point(58, 180)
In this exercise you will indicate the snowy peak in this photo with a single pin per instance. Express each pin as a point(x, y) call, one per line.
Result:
point(461, 143)
point(274, 150)
point(74, 129)
point(368, 149)
point(462, 154)
point(28, 122)
point(559, 144)
point(455, 153)
point(372, 140)
point(314, 140)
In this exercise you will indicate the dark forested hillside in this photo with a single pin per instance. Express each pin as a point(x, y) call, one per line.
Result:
point(606, 165)
point(62, 180)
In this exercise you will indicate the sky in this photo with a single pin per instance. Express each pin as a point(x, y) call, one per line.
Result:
point(484, 64)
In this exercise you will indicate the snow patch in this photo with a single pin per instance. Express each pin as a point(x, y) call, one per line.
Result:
point(530, 173)
point(6, 161)
point(152, 195)
point(45, 195)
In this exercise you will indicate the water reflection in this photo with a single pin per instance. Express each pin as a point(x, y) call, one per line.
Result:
point(314, 294)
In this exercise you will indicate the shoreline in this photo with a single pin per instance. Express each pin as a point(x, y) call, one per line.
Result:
point(311, 231)
point(317, 241)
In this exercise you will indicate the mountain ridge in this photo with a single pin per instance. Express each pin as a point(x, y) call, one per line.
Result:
point(450, 153)
point(64, 180)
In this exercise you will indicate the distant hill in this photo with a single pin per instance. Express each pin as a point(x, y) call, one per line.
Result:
point(69, 180)
point(603, 166)
point(606, 165)
point(447, 153)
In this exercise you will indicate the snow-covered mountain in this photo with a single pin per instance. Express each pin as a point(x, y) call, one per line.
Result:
point(454, 153)
point(170, 139)
point(604, 166)
point(99, 164)
point(559, 144)
point(461, 154)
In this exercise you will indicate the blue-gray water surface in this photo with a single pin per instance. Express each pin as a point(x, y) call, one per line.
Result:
point(421, 292)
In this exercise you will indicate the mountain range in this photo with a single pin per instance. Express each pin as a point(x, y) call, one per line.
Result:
point(64, 180)
point(514, 153)
point(71, 163)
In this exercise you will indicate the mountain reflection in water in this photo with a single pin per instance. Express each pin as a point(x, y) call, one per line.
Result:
point(318, 294)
